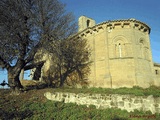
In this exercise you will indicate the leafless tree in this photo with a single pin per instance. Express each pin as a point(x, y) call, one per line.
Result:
point(71, 58)
point(25, 27)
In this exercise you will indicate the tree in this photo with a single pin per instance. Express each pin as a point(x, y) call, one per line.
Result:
point(53, 21)
point(25, 27)
point(14, 38)
point(71, 57)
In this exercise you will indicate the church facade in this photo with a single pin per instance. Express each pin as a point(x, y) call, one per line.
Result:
point(121, 53)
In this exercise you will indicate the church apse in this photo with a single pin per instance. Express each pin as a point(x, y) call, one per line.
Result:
point(121, 55)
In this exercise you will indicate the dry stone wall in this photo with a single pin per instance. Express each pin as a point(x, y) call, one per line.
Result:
point(102, 101)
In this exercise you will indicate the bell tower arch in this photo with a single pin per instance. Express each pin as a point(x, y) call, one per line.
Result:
point(85, 22)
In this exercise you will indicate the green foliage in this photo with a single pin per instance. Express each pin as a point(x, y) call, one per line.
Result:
point(31, 106)
point(60, 111)
point(138, 91)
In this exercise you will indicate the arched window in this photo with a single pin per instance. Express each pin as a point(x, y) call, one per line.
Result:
point(119, 49)
point(143, 49)
point(88, 23)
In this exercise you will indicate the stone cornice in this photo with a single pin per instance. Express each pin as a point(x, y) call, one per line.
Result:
point(132, 23)
point(157, 64)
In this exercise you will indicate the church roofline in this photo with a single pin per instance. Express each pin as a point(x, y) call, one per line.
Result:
point(115, 21)
point(87, 17)
point(125, 20)
point(157, 64)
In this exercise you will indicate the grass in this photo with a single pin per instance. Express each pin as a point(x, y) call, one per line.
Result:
point(32, 105)
point(61, 111)
point(137, 91)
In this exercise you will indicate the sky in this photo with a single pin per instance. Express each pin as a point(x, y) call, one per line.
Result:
point(147, 11)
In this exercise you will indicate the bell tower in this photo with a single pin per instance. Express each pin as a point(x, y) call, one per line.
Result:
point(85, 22)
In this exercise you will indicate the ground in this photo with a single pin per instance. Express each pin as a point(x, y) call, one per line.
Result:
point(10, 104)
point(32, 105)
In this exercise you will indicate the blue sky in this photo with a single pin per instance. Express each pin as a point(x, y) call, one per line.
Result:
point(147, 11)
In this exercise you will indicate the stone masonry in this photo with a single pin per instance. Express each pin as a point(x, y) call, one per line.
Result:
point(121, 53)
point(123, 102)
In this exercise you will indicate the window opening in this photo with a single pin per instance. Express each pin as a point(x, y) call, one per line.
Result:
point(115, 50)
point(156, 72)
point(120, 50)
point(142, 50)
point(88, 23)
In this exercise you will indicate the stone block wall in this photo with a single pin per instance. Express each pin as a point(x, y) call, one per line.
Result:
point(102, 101)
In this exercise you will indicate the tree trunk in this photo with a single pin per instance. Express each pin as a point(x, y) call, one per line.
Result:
point(63, 78)
point(21, 77)
point(13, 80)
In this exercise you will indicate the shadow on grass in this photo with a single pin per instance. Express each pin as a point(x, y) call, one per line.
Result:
point(18, 115)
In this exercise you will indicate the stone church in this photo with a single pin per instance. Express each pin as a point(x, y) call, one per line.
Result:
point(121, 53)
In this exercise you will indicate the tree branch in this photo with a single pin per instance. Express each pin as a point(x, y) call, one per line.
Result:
point(33, 65)
point(3, 63)
point(32, 53)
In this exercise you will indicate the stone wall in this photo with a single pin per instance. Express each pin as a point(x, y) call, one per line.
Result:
point(121, 53)
point(101, 101)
